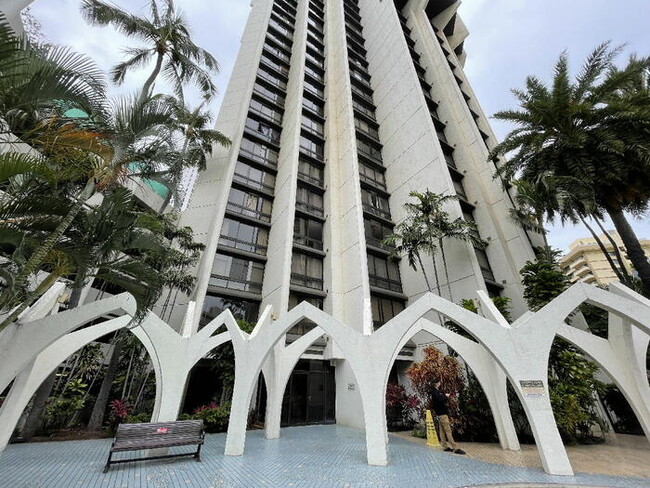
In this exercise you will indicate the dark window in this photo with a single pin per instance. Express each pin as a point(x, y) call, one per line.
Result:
point(263, 129)
point(312, 126)
point(268, 94)
point(372, 175)
point(313, 106)
point(237, 274)
point(376, 232)
point(384, 309)
point(384, 273)
point(245, 237)
point(310, 172)
point(241, 309)
point(311, 148)
point(309, 201)
point(265, 111)
point(308, 233)
point(369, 150)
point(375, 204)
point(258, 151)
point(307, 271)
point(253, 177)
point(249, 204)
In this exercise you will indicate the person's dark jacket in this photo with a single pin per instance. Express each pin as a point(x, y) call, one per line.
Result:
point(439, 403)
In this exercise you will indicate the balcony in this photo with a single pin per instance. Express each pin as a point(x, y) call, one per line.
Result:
point(308, 242)
point(379, 243)
point(247, 246)
point(385, 283)
point(310, 208)
point(371, 181)
point(252, 183)
point(318, 156)
point(379, 212)
point(234, 284)
point(264, 161)
point(312, 180)
point(248, 212)
point(306, 281)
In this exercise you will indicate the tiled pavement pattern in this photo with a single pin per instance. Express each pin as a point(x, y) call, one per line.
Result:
point(305, 457)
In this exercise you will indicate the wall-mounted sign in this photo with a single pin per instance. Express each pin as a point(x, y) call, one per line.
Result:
point(532, 388)
point(352, 387)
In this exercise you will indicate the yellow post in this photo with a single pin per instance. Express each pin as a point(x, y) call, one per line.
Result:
point(432, 436)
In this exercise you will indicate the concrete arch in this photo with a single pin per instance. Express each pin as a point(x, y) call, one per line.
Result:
point(31, 377)
point(174, 354)
point(22, 341)
point(252, 350)
point(490, 376)
point(277, 369)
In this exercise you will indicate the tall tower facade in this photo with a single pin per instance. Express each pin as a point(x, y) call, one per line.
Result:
point(337, 110)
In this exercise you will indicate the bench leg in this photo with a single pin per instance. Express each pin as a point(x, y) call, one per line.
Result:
point(108, 462)
point(197, 456)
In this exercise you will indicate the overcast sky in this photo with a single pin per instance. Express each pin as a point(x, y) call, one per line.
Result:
point(509, 39)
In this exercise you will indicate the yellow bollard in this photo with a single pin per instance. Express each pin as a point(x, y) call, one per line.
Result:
point(432, 436)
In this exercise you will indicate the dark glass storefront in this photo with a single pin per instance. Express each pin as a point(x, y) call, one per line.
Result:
point(310, 396)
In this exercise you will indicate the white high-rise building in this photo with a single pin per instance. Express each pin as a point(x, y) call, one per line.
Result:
point(337, 110)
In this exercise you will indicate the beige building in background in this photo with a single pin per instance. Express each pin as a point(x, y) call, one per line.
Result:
point(586, 263)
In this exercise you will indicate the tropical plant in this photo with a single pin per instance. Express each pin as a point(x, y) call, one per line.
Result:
point(169, 45)
point(586, 141)
point(401, 408)
point(543, 280)
point(215, 417)
point(434, 367)
point(426, 229)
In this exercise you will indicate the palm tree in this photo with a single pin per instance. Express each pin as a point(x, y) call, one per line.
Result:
point(591, 135)
point(167, 34)
point(197, 143)
point(427, 227)
point(34, 76)
point(96, 159)
point(408, 239)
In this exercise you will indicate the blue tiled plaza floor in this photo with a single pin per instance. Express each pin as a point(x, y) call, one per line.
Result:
point(305, 457)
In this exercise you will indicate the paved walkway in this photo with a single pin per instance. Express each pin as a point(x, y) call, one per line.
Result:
point(622, 455)
point(305, 457)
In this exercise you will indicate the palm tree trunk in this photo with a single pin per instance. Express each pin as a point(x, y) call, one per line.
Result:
point(148, 85)
point(444, 263)
point(426, 278)
point(99, 410)
point(35, 415)
point(603, 249)
point(619, 258)
point(435, 272)
point(36, 259)
point(632, 245)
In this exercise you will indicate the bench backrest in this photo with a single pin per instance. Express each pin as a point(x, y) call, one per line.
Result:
point(153, 432)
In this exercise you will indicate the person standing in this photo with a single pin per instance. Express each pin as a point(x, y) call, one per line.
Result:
point(440, 405)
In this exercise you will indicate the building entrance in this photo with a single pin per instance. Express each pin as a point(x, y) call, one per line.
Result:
point(310, 395)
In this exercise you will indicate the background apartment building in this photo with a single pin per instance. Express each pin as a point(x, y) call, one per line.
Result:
point(586, 263)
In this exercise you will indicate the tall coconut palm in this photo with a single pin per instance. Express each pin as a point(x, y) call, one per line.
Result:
point(592, 135)
point(169, 45)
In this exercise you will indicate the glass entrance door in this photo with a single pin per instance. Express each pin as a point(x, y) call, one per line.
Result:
point(310, 394)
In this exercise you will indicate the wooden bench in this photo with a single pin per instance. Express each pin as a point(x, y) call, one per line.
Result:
point(137, 437)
